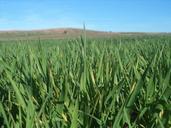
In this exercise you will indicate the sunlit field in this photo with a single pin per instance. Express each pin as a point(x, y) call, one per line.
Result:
point(119, 82)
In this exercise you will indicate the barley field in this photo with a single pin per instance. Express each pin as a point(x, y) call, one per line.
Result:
point(120, 82)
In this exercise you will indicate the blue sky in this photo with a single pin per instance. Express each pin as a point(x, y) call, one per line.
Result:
point(106, 15)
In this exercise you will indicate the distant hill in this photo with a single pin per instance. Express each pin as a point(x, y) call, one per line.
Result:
point(50, 34)
point(57, 34)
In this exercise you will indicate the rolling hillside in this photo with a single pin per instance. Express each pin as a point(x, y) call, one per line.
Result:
point(50, 34)
point(60, 34)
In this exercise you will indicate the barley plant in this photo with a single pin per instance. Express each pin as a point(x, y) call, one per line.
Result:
point(119, 82)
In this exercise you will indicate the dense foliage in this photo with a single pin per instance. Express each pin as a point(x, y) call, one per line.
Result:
point(98, 83)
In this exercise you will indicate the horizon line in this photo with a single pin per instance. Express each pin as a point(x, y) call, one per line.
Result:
point(77, 28)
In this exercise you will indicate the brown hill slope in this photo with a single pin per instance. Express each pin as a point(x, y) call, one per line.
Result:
point(51, 34)
point(61, 34)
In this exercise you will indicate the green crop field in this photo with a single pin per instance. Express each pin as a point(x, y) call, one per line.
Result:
point(119, 82)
